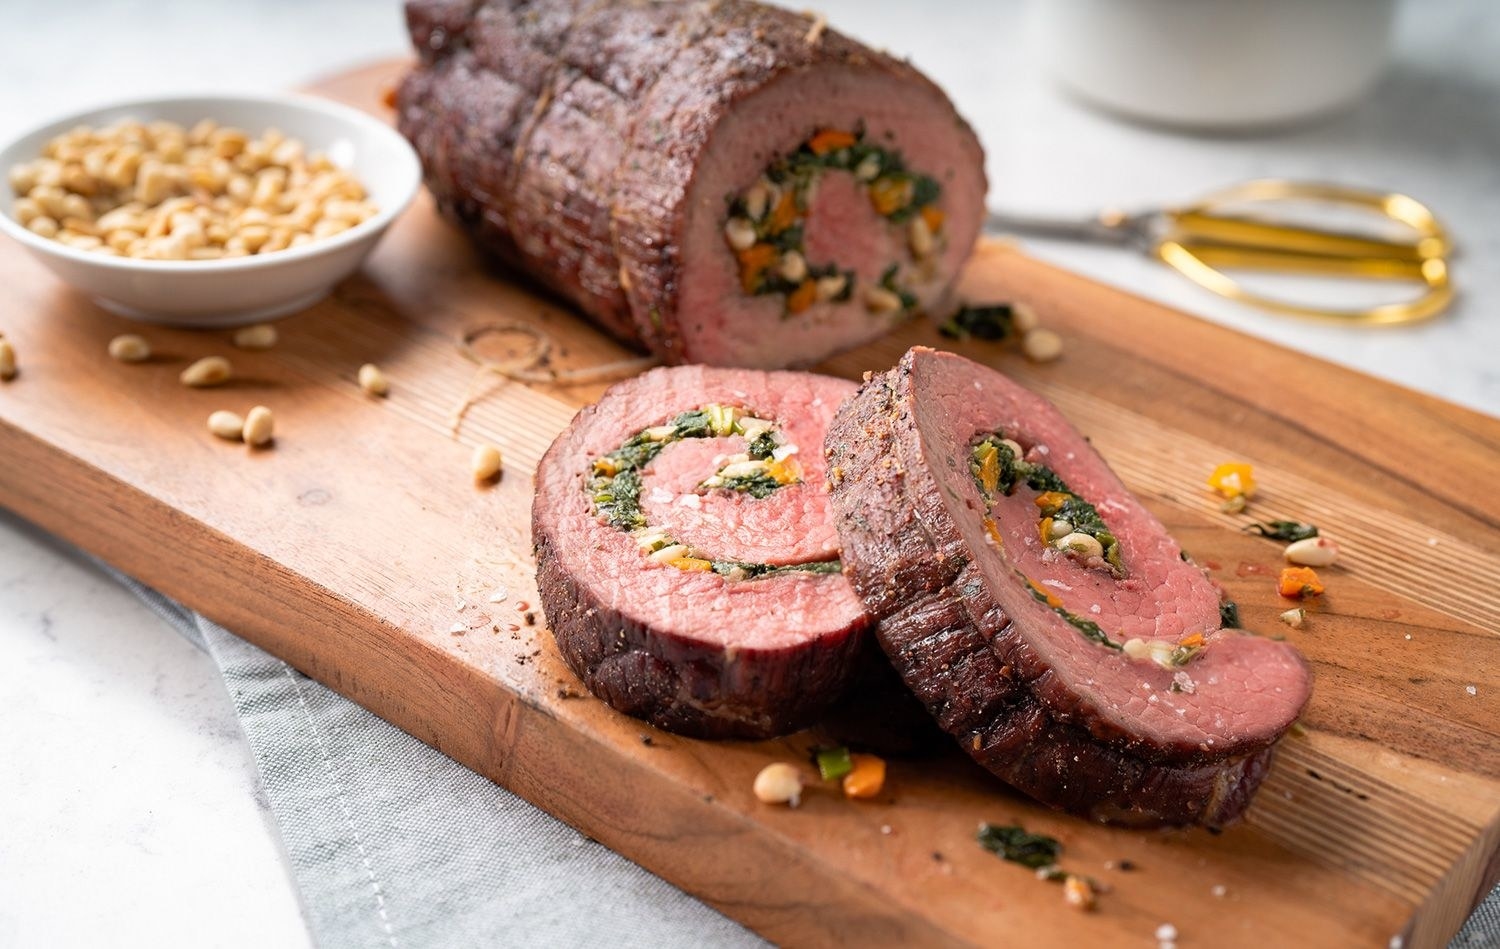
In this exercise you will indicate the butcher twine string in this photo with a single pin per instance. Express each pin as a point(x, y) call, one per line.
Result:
point(528, 366)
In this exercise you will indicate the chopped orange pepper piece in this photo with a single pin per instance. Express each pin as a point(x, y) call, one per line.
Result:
point(785, 471)
point(1298, 582)
point(605, 467)
point(1233, 479)
point(1051, 500)
point(754, 261)
point(933, 217)
point(830, 140)
point(1045, 593)
point(890, 194)
point(803, 297)
point(989, 471)
point(1044, 528)
point(1194, 639)
point(993, 530)
point(867, 777)
point(693, 564)
point(784, 215)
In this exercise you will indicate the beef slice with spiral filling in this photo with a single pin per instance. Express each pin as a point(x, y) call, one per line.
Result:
point(693, 651)
point(616, 133)
point(1068, 721)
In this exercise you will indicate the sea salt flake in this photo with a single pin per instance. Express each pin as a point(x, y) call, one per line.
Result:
point(499, 595)
point(1471, 690)
point(690, 500)
point(1166, 932)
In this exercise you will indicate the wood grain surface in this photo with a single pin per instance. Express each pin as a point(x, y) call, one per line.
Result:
point(358, 549)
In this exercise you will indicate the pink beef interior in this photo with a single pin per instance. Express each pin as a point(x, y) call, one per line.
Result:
point(1240, 689)
point(791, 525)
point(721, 324)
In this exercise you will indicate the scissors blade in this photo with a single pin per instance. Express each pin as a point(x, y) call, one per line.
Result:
point(1125, 230)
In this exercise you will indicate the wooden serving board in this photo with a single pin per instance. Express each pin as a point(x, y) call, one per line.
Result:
point(359, 550)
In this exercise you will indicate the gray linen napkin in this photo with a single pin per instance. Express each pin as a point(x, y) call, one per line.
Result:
point(394, 844)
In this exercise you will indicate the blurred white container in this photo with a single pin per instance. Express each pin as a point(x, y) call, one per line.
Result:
point(1216, 64)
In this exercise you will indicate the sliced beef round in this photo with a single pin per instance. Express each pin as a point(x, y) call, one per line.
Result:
point(718, 182)
point(1043, 615)
point(686, 555)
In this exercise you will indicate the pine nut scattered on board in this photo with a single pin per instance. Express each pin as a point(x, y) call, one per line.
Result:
point(778, 783)
point(486, 463)
point(227, 425)
point(208, 371)
point(7, 360)
point(259, 336)
point(128, 347)
point(1023, 318)
point(1312, 552)
point(258, 425)
point(372, 380)
point(1042, 345)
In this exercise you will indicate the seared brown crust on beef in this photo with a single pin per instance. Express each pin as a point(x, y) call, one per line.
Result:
point(964, 658)
point(566, 134)
point(683, 686)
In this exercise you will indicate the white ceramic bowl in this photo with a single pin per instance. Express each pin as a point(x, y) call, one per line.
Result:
point(241, 289)
point(1216, 64)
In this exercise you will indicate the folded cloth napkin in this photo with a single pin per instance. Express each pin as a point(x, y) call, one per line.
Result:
point(393, 844)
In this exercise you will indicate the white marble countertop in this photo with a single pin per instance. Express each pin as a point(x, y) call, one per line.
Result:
point(129, 799)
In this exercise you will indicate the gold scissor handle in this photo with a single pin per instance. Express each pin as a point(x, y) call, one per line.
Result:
point(1200, 241)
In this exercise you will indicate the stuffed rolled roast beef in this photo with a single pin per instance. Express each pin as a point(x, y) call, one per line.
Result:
point(1041, 613)
point(686, 555)
point(719, 182)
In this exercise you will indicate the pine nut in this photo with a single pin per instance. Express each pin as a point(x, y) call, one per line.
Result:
point(919, 236)
point(881, 300)
point(1079, 544)
point(1312, 552)
point(486, 462)
point(1042, 345)
point(259, 336)
point(26, 210)
point(227, 425)
point(1294, 617)
point(43, 226)
point(869, 169)
point(208, 371)
point(7, 360)
point(740, 233)
point(832, 286)
point(372, 380)
point(1023, 318)
point(779, 783)
point(130, 348)
point(757, 200)
point(258, 426)
point(1137, 648)
point(793, 266)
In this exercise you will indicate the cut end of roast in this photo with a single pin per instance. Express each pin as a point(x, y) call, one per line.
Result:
point(686, 556)
point(1091, 674)
point(699, 179)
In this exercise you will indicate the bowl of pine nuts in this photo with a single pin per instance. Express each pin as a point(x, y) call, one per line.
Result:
point(206, 211)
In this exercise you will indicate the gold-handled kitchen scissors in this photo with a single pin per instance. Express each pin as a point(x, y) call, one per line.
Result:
point(1232, 230)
